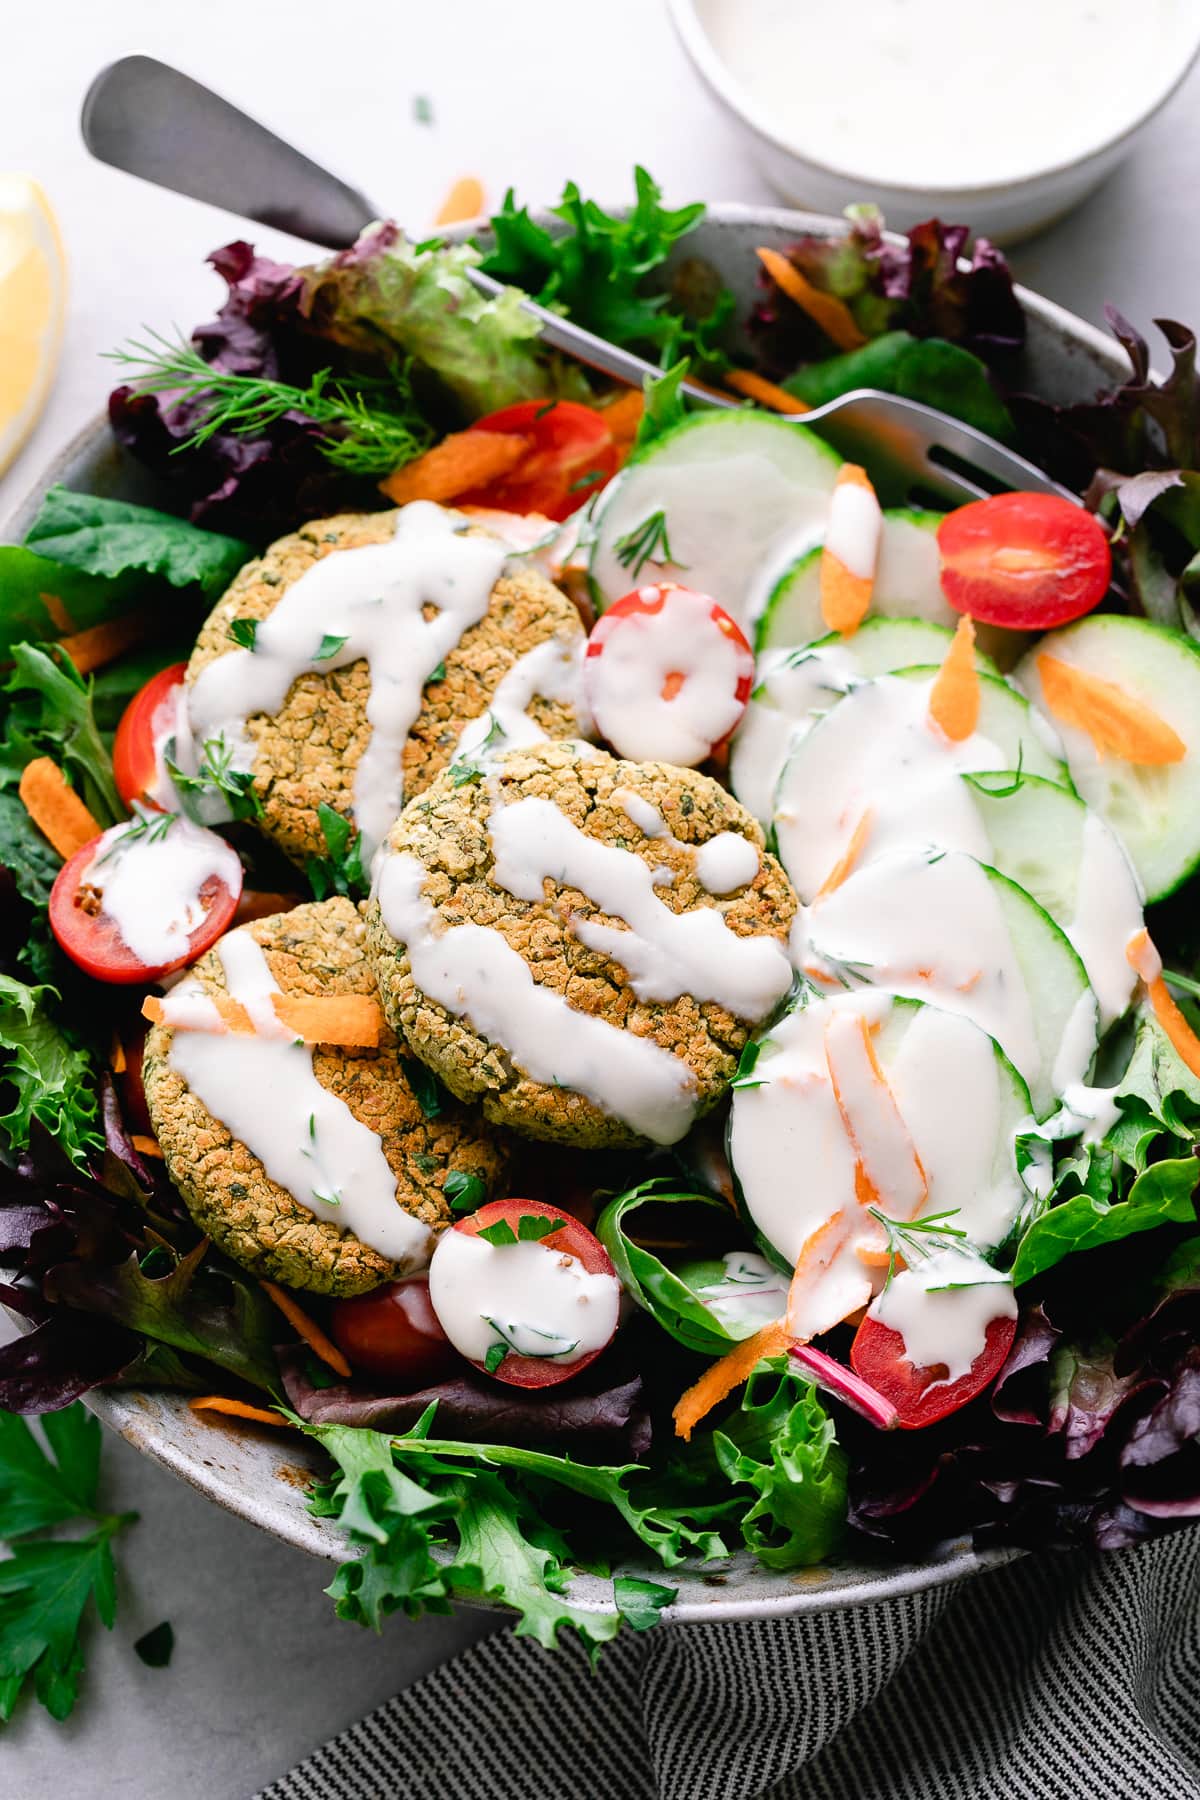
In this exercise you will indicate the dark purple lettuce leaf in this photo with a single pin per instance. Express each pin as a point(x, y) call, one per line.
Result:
point(251, 487)
point(915, 286)
point(1160, 1463)
point(591, 1417)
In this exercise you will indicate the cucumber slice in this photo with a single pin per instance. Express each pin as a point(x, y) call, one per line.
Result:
point(873, 753)
point(907, 583)
point(1073, 865)
point(1155, 811)
point(795, 686)
point(960, 1098)
point(734, 494)
point(946, 928)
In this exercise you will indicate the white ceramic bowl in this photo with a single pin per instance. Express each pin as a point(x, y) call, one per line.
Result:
point(1005, 211)
point(261, 1475)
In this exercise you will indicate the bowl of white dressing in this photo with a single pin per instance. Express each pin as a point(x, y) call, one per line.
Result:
point(1003, 116)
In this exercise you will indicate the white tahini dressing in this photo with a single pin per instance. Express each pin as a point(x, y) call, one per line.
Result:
point(1108, 910)
point(750, 1293)
point(664, 683)
point(263, 1089)
point(794, 687)
point(796, 1159)
point(369, 603)
point(150, 875)
point(855, 528)
point(664, 953)
point(942, 1306)
point(530, 1297)
point(475, 974)
point(925, 93)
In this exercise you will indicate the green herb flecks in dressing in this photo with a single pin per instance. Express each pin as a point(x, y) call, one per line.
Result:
point(374, 599)
point(150, 874)
point(550, 671)
point(531, 1297)
point(263, 1089)
point(751, 1292)
point(942, 1306)
point(793, 687)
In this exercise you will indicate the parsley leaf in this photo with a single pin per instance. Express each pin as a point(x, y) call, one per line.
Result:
point(428, 1092)
point(464, 1193)
point(342, 871)
point(46, 1585)
point(329, 646)
point(598, 272)
point(531, 1227)
point(640, 1603)
point(48, 1077)
point(495, 1356)
point(243, 632)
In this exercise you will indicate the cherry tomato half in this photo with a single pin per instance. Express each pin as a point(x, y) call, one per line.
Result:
point(1025, 561)
point(150, 713)
point(571, 1239)
point(568, 443)
point(393, 1334)
point(667, 675)
point(920, 1398)
point(89, 936)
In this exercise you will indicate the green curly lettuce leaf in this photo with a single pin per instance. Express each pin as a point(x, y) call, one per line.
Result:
point(781, 1444)
point(47, 1077)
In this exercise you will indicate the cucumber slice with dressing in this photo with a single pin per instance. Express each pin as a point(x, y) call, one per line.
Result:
point(943, 927)
point(1154, 809)
point(908, 585)
point(721, 502)
point(873, 754)
point(960, 1099)
point(796, 686)
point(1066, 857)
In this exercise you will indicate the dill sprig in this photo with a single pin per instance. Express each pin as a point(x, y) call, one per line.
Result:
point(918, 1237)
point(372, 422)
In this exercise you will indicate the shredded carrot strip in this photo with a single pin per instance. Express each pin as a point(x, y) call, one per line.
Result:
point(312, 1334)
point(351, 1021)
point(464, 201)
point(462, 461)
point(954, 699)
point(1143, 957)
point(237, 1409)
point(816, 1250)
point(721, 1378)
point(57, 613)
point(102, 644)
point(766, 393)
point(848, 858)
point(146, 1146)
point(845, 596)
point(1113, 719)
point(826, 310)
point(56, 808)
point(116, 1055)
point(623, 415)
point(865, 1188)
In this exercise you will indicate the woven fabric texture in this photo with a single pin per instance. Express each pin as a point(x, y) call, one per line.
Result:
point(1054, 1678)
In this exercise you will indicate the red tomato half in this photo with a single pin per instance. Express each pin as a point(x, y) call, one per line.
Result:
point(567, 444)
point(572, 1239)
point(149, 713)
point(393, 1335)
point(1025, 561)
point(90, 938)
point(920, 1398)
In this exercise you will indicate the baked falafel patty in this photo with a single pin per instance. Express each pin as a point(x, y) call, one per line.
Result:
point(307, 749)
point(316, 949)
point(580, 944)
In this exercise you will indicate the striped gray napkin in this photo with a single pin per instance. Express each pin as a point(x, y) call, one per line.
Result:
point(1067, 1677)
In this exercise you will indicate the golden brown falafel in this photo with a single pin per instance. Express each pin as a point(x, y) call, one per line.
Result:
point(447, 830)
point(309, 751)
point(315, 949)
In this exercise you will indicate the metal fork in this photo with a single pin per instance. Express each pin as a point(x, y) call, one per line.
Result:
point(151, 120)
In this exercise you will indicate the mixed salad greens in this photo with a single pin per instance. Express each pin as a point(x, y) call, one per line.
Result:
point(309, 387)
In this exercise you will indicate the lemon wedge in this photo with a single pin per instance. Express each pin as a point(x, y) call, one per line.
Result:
point(33, 285)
